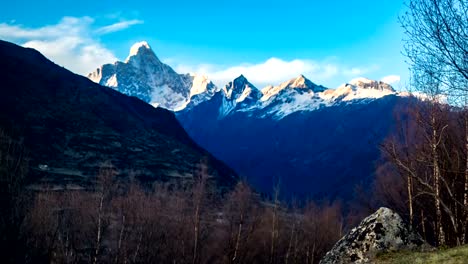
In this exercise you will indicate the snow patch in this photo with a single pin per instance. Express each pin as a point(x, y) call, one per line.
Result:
point(247, 91)
point(199, 84)
point(137, 46)
point(166, 94)
point(112, 81)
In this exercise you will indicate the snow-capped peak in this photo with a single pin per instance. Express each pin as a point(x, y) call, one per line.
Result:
point(359, 88)
point(300, 82)
point(238, 93)
point(137, 46)
point(365, 83)
point(300, 94)
point(199, 84)
point(240, 89)
point(139, 49)
point(143, 75)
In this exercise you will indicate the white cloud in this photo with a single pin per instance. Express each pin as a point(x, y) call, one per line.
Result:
point(71, 43)
point(76, 54)
point(118, 26)
point(67, 25)
point(74, 43)
point(391, 79)
point(274, 71)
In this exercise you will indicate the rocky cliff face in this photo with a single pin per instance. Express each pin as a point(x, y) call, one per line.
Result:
point(382, 231)
point(144, 76)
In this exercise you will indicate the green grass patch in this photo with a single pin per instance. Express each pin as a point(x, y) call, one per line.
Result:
point(458, 255)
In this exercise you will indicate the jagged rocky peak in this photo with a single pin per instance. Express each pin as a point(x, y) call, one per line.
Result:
point(144, 76)
point(201, 84)
point(141, 50)
point(241, 89)
point(142, 45)
point(302, 82)
point(299, 83)
point(371, 84)
point(382, 231)
point(240, 82)
point(96, 75)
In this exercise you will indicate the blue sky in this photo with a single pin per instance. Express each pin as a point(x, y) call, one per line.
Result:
point(330, 42)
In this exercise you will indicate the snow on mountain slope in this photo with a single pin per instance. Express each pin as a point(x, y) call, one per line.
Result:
point(241, 89)
point(360, 88)
point(299, 83)
point(143, 75)
point(300, 94)
point(239, 94)
point(296, 95)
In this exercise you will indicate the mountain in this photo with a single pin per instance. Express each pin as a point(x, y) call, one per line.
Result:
point(238, 94)
point(143, 75)
point(316, 142)
point(300, 85)
point(70, 125)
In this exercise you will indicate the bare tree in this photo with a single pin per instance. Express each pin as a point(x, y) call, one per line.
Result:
point(274, 232)
point(13, 172)
point(199, 197)
point(105, 180)
point(241, 212)
point(429, 154)
point(437, 47)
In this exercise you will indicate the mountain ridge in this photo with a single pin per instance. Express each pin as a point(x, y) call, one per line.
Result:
point(159, 85)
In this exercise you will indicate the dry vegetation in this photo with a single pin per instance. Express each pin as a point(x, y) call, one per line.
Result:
point(425, 175)
point(124, 221)
point(458, 255)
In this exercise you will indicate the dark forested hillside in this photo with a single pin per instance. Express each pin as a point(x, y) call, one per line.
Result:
point(71, 125)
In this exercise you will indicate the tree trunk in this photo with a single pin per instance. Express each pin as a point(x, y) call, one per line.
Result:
point(99, 228)
point(465, 196)
point(410, 199)
point(137, 250)
point(274, 227)
point(423, 225)
point(196, 231)
point(291, 238)
point(238, 238)
point(119, 244)
point(436, 174)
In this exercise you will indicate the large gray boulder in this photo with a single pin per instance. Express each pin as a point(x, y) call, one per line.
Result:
point(382, 231)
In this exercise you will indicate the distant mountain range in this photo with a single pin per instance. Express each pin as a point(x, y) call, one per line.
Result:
point(70, 125)
point(315, 141)
point(143, 75)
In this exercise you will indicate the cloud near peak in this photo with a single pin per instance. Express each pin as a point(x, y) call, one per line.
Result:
point(391, 79)
point(118, 26)
point(72, 42)
point(274, 71)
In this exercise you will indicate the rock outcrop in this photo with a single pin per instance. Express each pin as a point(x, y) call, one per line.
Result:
point(382, 231)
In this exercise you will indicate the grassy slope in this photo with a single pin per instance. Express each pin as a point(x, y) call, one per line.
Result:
point(456, 255)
